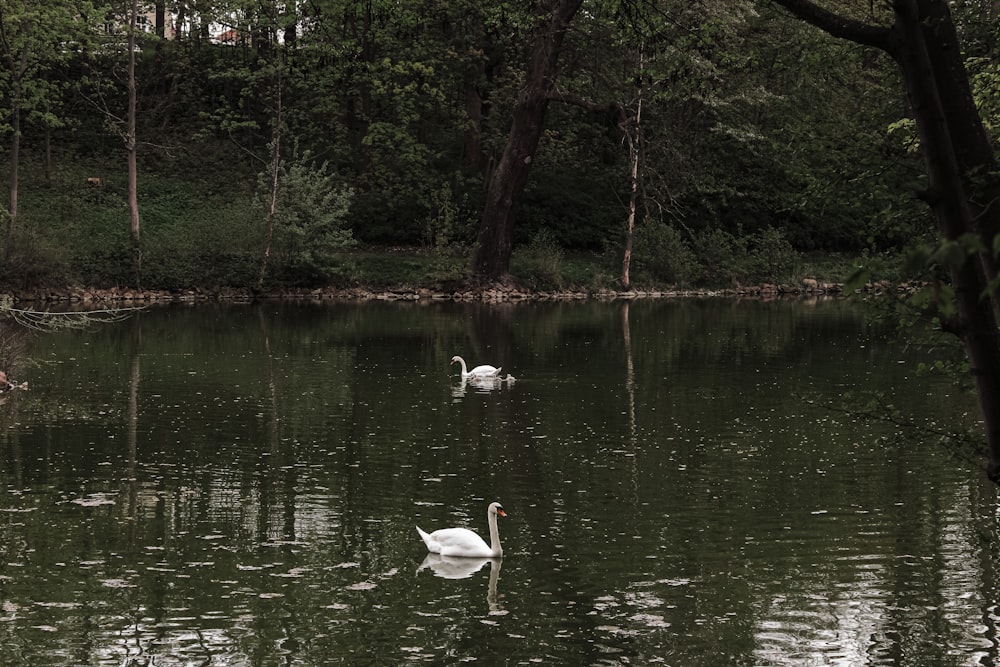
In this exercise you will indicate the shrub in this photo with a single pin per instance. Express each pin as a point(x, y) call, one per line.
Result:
point(725, 259)
point(441, 224)
point(310, 219)
point(660, 254)
point(771, 257)
point(539, 264)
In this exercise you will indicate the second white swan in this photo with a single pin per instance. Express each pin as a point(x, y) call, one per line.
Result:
point(464, 542)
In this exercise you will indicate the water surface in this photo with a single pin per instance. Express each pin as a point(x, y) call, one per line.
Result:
point(239, 485)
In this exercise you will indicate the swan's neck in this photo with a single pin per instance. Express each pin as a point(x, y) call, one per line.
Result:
point(464, 369)
point(494, 535)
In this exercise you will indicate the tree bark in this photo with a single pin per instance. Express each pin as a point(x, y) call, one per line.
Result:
point(15, 160)
point(633, 135)
point(160, 18)
point(961, 169)
point(131, 147)
point(272, 212)
point(976, 161)
point(491, 260)
point(18, 69)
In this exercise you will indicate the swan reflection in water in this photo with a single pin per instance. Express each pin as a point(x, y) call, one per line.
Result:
point(452, 567)
point(482, 384)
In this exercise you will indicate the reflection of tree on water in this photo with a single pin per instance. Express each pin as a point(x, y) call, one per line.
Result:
point(630, 392)
point(133, 427)
point(451, 567)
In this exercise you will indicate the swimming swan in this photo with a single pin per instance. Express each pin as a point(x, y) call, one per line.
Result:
point(478, 372)
point(464, 542)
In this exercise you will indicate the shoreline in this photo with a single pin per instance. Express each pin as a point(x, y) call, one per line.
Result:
point(494, 293)
point(489, 293)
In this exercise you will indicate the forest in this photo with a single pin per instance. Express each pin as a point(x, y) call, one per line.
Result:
point(264, 145)
point(714, 142)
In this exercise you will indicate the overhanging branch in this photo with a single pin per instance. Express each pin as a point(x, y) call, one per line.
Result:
point(839, 26)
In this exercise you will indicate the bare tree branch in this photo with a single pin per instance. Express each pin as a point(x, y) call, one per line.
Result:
point(43, 320)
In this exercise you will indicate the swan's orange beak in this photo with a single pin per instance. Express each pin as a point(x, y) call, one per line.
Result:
point(501, 512)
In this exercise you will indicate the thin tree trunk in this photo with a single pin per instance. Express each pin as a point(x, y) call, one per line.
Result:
point(491, 260)
point(131, 148)
point(15, 159)
point(179, 21)
point(633, 135)
point(18, 68)
point(160, 18)
point(275, 182)
point(48, 156)
point(133, 422)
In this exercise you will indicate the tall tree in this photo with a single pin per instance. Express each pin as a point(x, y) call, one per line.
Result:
point(275, 170)
point(33, 35)
point(633, 137)
point(131, 144)
point(491, 260)
point(963, 180)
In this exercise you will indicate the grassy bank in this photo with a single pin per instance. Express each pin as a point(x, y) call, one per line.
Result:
point(201, 230)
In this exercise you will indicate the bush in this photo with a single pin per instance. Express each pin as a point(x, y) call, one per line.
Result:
point(539, 264)
point(771, 257)
point(310, 219)
point(725, 259)
point(660, 254)
point(719, 255)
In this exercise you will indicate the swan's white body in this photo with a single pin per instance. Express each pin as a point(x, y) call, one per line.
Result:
point(466, 543)
point(484, 371)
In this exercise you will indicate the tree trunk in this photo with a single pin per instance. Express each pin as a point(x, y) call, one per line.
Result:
point(961, 169)
point(48, 156)
point(160, 18)
point(976, 161)
point(18, 69)
point(272, 212)
point(179, 21)
point(929, 84)
point(15, 159)
point(633, 134)
point(131, 147)
point(491, 260)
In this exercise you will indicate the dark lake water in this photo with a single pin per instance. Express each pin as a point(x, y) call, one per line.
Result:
point(684, 481)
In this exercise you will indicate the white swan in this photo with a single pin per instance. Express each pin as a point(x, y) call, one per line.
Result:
point(464, 542)
point(484, 371)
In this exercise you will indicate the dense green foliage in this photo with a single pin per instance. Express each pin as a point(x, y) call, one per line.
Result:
point(764, 139)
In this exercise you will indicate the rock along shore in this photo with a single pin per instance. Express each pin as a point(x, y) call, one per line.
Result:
point(493, 293)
